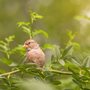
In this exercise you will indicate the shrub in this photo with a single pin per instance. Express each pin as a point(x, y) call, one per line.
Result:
point(64, 71)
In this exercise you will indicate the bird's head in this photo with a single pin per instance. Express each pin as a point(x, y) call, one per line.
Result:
point(31, 44)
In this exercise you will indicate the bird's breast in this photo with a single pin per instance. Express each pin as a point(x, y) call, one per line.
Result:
point(35, 54)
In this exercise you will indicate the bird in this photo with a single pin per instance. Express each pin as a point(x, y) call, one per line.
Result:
point(34, 53)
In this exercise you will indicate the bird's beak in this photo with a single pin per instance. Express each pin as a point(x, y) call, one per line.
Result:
point(25, 46)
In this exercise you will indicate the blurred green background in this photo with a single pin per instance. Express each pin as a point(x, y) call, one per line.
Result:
point(59, 18)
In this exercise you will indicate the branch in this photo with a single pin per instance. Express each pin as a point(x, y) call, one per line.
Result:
point(51, 70)
point(60, 72)
point(9, 73)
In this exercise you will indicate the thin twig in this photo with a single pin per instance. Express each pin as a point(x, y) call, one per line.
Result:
point(51, 70)
point(60, 72)
point(9, 73)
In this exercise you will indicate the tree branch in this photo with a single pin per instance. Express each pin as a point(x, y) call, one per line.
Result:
point(9, 73)
point(51, 70)
point(60, 72)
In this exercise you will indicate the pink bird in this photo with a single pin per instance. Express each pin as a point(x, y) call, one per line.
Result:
point(34, 53)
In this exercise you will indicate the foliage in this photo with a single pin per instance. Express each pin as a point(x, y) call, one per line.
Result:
point(65, 71)
point(27, 26)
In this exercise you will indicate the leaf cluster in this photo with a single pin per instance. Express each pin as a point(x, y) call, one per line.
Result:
point(66, 70)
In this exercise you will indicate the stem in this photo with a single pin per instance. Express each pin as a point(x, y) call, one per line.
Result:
point(60, 72)
point(54, 71)
point(30, 34)
point(9, 73)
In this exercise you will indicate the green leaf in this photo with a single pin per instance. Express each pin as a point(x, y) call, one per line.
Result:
point(76, 45)
point(77, 82)
point(6, 81)
point(75, 62)
point(20, 24)
point(56, 82)
point(10, 38)
point(36, 32)
point(5, 61)
point(67, 51)
point(54, 48)
point(71, 35)
point(86, 62)
point(27, 30)
point(18, 49)
point(62, 62)
point(3, 47)
point(2, 43)
point(73, 68)
point(35, 16)
point(48, 46)
point(13, 64)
